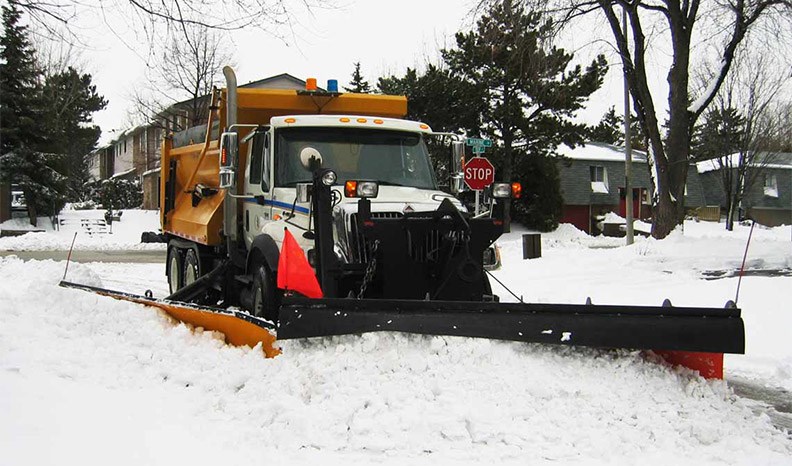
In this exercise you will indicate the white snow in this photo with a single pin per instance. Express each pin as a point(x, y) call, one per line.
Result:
point(711, 89)
point(124, 235)
point(733, 161)
point(89, 380)
point(599, 151)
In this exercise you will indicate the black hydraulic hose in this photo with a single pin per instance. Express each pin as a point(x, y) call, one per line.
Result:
point(195, 289)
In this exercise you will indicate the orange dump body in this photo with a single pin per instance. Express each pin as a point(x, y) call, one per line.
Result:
point(198, 163)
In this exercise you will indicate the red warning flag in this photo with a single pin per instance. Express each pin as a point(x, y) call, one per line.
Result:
point(294, 271)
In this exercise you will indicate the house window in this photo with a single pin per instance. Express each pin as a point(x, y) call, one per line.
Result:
point(599, 179)
point(771, 186)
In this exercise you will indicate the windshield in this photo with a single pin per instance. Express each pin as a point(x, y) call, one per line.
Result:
point(393, 158)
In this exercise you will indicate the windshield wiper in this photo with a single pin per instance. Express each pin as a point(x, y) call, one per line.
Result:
point(390, 183)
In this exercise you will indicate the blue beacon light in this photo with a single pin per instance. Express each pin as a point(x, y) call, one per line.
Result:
point(332, 85)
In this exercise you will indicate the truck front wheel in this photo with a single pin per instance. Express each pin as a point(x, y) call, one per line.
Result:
point(266, 295)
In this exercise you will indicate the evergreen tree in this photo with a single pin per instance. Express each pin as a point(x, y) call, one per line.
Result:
point(437, 98)
point(71, 99)
point(445, 103)
point(22, 160)
point(610, 130)
point(529, 94)
point(358, 84)
point(720, 135)
point(722, 138)
point(19, 86)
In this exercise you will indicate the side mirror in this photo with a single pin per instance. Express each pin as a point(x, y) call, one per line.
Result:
point(457, 181)
point(457, 155)
point(229, 148)
point(226, 177)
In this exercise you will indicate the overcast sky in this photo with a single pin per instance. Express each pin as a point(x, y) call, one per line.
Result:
point(384, 37)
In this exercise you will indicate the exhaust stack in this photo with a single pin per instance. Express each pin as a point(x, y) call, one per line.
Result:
point(230, 204)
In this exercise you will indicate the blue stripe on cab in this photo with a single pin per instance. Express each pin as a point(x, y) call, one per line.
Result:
point(282, 205)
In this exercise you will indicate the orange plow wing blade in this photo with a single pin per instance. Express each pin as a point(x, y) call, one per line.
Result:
point(238, 327)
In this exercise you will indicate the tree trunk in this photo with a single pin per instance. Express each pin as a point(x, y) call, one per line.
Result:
point(730, 215)
point(672, 173)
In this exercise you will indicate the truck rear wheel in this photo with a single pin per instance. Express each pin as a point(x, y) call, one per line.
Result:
point(266, 295)
point(192, 267)
point(175, 275)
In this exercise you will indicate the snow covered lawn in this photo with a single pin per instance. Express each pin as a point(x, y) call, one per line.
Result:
point(89, 380)
point(125, 233)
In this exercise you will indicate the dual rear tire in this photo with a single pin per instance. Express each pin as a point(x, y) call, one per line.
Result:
point(183, 267)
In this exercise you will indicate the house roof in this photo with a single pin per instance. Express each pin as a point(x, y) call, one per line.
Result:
point(283, 76)
point(261, 83)
point(124, 173)
point(599, 151)
point(782, 160)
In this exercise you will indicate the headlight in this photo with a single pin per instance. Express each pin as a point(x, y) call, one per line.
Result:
point(365, 189)
point(501, 190)
point(506, 190)
point(329, 178)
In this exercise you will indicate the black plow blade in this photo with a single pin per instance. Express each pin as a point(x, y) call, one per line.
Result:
point(711, 330)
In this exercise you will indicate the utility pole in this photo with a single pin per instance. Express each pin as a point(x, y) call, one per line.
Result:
point(628, 193)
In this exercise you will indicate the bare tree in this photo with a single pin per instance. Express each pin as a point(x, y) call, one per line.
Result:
point(754, 88)
point(721, 26)
point(174, 95)
point(274, 16)
point(741, 126)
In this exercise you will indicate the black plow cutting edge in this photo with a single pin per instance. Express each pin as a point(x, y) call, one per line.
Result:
point(710, 330)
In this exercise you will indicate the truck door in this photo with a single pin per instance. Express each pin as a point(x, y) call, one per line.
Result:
point(258, 186)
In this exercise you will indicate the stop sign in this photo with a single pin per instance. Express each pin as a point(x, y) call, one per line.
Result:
point(479, 173)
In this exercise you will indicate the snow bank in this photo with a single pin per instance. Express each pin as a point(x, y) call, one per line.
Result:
point(87, 379)
point(575, 266)
point(125, 233)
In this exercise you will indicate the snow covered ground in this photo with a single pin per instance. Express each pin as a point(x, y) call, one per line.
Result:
point(123, 234)
point(86, 379)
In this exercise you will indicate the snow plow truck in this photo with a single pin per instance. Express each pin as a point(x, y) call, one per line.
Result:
point(294, 214)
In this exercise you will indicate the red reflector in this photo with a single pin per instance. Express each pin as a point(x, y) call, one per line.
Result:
point(224, 157)
point(516, 189)
point(497, 222)
point(368, 223)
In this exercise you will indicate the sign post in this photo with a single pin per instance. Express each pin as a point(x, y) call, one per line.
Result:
point(479, 172)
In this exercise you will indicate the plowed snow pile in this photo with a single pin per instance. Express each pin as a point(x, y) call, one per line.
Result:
point(88, 380)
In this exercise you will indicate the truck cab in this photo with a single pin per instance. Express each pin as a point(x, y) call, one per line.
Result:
point(283, 155)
